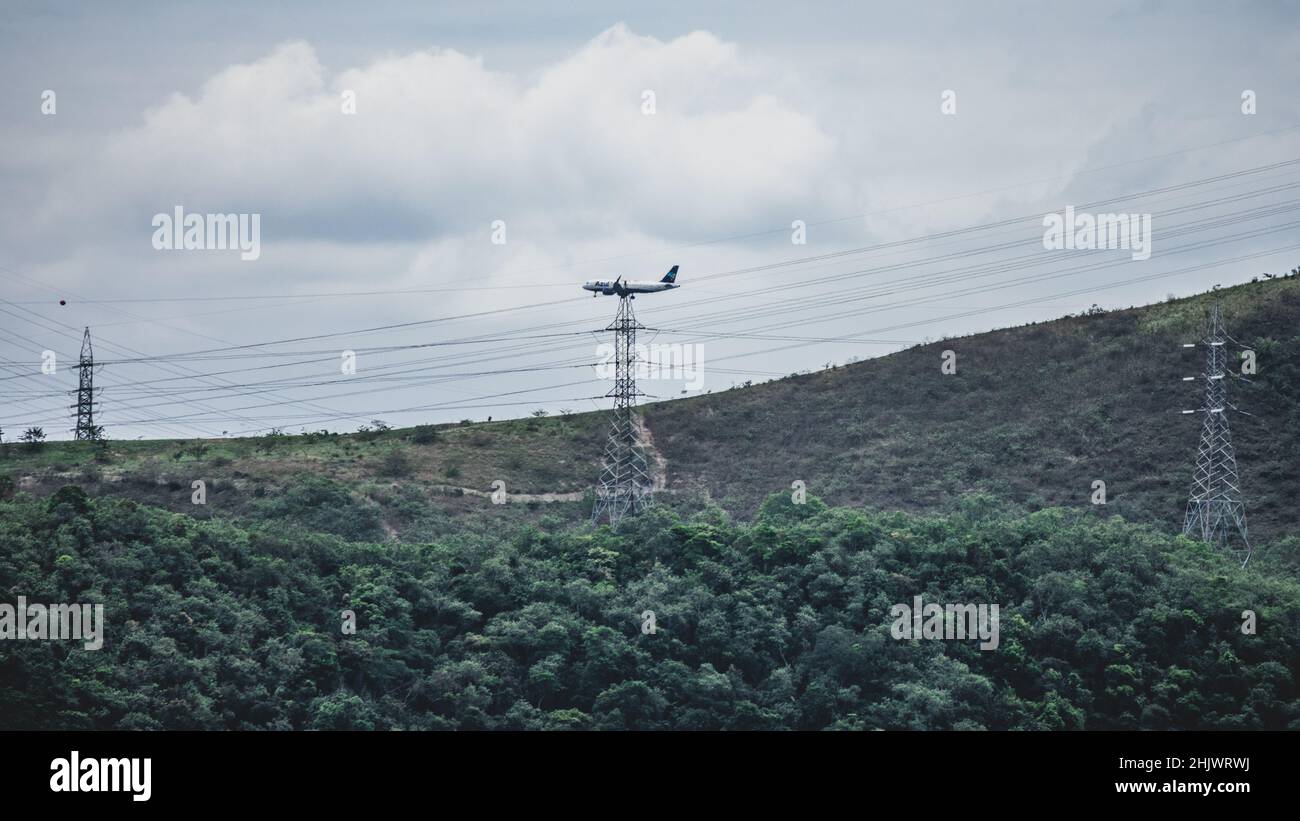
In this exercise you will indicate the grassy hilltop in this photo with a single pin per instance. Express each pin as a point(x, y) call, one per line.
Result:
point(1033, 416)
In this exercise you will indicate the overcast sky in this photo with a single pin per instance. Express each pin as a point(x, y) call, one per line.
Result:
point(764, 114)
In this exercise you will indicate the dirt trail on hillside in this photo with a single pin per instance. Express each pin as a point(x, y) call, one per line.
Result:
point(658, 465)
point(575, 496)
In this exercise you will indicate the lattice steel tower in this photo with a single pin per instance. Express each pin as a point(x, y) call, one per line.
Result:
point(1216, 512)
point(86, 430)
point(625, 487)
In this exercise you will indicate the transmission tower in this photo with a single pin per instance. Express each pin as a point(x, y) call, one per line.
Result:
point(1216, 513)
point(86, 430)
point(625, 487)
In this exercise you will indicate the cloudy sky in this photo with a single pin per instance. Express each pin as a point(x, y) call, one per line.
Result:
point(918, 148)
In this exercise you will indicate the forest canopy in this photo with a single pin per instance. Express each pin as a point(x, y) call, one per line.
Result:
point(778, 623)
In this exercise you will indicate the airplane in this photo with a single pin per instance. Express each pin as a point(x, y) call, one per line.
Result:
point(630, 288)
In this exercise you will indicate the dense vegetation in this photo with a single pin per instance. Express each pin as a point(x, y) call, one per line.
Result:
point(767, 614)
point(778, 623)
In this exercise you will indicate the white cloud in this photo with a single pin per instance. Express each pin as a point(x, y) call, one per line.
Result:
point(441, 145)
point(790, 120)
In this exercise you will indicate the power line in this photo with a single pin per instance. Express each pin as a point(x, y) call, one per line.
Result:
point(500, 344)
point(86, 429)
point(1216, 511)
point(624, 488)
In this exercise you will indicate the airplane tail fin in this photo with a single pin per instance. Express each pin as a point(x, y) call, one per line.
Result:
point(671, 276)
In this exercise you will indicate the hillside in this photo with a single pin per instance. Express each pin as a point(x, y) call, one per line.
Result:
point(783, 623)
point(1033, 415)
point(967, 488)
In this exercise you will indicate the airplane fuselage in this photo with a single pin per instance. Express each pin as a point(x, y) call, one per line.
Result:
point(629, 288)
point(609, 287)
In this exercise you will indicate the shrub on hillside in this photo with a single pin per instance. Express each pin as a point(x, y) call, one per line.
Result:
point(424, 435)
point(395, 463)
point(319, 504)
